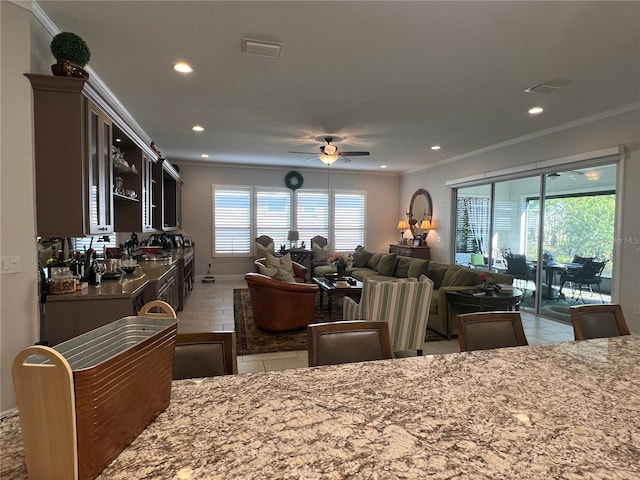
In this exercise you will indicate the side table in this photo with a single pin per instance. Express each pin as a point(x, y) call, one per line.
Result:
point(467, 303)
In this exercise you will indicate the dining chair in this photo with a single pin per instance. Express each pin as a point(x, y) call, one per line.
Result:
point(332, 343)
point(157, 309)
point(486, 330)
point(598, 321)
point(206, 354)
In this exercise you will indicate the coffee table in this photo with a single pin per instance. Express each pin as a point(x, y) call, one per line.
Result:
point(330, 288)
point(491, 300)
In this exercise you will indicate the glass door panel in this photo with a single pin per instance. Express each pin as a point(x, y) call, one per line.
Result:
point(514, 233)
point(473, 215)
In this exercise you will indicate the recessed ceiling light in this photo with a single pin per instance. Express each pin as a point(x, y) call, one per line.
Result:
point(118, 139)
point(435, 147)
point(197, 128)
point(205, 155)
point(183, 67)
point(536, 110)
point(383, 166)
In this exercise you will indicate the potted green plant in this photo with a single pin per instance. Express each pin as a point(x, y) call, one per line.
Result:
point(72, 54)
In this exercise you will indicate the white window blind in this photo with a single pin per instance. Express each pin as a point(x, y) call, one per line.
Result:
point(349, 218)
point(313, 215)
point(273, 215)
point(232, 220)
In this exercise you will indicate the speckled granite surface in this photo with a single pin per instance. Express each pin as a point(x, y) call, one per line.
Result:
point(559, 411)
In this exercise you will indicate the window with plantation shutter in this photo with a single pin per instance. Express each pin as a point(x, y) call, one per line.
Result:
point(312, 211)
point(348, 221)
point(273, 214)
point(232, 220)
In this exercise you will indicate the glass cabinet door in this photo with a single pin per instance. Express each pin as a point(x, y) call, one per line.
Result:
point(100, 199)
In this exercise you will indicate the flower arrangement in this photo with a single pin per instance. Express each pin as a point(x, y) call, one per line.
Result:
point(485, 281)
point(341, 260)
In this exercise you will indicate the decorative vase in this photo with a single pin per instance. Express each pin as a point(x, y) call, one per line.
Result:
point(341, 269)
point(66, 68)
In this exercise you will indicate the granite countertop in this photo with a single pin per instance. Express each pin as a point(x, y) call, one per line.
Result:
point(557, 411)
point(129, 284)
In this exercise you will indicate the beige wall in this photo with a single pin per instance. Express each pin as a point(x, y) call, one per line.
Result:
point(382, 210)
point(18, 291)
point(618, 129)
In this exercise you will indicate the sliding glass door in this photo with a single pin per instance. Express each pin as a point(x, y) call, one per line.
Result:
point(553, 231)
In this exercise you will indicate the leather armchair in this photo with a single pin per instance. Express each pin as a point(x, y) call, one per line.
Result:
point(279, 306)
point(299, 271)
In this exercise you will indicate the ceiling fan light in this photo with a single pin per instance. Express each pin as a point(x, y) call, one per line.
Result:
point(329, 159)
point(330, 149)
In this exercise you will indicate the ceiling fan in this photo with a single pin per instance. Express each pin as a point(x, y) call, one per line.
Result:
point(329, 153)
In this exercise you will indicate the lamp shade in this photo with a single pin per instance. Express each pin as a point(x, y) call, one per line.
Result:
point(293, 236)
point(329, 159)
point(425, 225)
point(403, 225)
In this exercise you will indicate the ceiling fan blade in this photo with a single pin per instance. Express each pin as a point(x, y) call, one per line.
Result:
point(305, 153)
point(353, 154)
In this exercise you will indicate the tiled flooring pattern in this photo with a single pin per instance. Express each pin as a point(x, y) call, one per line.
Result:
point(210, 308)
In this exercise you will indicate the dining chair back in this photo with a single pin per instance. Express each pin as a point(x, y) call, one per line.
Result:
point(206, 354)
point(485, 330)
point(598, 321)
point(332, 343)
point(157, 309)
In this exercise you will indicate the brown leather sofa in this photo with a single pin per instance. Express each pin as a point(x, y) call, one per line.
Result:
point(279, 306)
point(299, 271)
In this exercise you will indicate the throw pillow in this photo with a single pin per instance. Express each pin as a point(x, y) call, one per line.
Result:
point(437, 275)
point(283, 262)
point(361, 257)
point(374, 260)
point(262, 251)
point(284, 276)
point(418, 268)
point(402, 267)
point(477, 259)
point(387, 264)
point(321, 254)
point(459, 276)
point(268, 271)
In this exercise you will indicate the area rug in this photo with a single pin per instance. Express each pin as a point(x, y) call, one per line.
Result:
point(253, 340)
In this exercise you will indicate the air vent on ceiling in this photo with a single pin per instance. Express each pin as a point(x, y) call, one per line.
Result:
point(262, 48)
point(544, 87)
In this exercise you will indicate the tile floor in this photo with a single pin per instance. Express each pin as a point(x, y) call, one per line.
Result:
point(210, 308)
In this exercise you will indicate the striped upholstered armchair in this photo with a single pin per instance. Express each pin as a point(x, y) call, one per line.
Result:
point(402, 303)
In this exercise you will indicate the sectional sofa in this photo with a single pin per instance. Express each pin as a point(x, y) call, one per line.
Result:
point(445, 277)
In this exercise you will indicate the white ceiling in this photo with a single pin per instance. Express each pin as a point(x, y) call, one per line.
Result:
point(389, 77)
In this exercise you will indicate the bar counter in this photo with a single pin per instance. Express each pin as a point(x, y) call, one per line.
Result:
point(128, 285)
point(557, 411)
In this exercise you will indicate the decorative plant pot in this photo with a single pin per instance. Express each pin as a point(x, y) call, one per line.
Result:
point(66, 68)
point(341, 270)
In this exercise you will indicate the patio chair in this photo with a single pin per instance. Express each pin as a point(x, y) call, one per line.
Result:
point(598, 321)
point(332, 343)
point(590, 274)
point(518, 267)
point(486, 330)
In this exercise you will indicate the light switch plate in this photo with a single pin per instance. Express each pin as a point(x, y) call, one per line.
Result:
point(10, 264)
